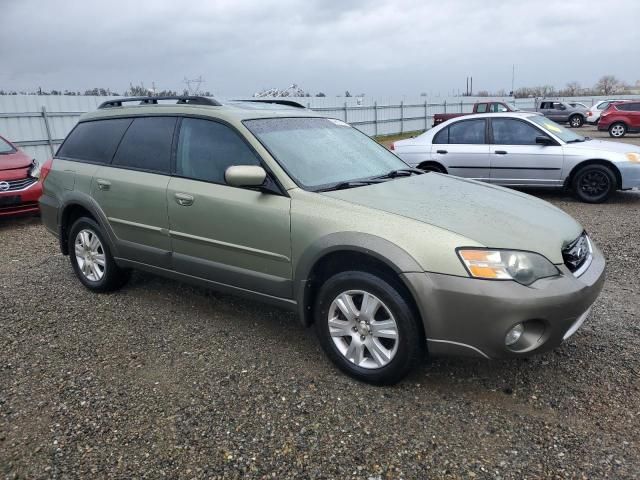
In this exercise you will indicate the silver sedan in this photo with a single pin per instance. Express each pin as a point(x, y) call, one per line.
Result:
point(524, 149)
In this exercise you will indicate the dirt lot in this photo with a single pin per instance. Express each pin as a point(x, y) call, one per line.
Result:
point(163, 380)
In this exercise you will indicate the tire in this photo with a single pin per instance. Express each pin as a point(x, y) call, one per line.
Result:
point(99, 272)
point(431, 167)
point(594, 183)
point(383, 360)
point(617, 130)
point(576, 121)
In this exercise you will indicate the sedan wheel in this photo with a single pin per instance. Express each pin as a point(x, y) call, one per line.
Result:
point(363, 329)
point(617, 130)
point(594, 183)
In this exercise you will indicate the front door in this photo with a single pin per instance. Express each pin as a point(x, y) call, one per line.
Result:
point(233, 236)
point(516, 158)
point(462, 148)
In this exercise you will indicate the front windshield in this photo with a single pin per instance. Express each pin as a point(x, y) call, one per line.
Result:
point(320, 152)
point(5, 147)
point(559, 131)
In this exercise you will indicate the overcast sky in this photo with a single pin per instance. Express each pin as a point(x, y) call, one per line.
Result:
point(377, 47)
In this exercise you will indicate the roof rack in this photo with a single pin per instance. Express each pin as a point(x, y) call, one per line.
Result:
point(275, 101)
point(181, 100)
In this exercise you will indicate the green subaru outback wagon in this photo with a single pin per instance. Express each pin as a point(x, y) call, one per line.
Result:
point(276, 203)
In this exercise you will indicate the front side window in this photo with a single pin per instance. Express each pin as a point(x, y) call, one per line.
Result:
point(507, 131)
point(94, 141)
point(318, 152)
point(206, 149)
point(147, 145)
point(468, 132)
point(498, 107)
point(5, 147)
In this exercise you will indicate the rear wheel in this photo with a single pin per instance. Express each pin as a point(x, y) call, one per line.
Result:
point(576, 121)
point(367, 327)
point(432, 167)
point(91, 258)
point(594, 183)
point(618, 130)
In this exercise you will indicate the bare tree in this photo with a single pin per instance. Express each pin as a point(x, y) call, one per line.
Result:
point(608, 84)
point(573, 88)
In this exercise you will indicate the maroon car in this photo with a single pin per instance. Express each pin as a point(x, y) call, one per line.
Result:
point(19, 185)
point(620, 118)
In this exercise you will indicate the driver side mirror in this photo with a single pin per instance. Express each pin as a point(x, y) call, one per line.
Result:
point(245, 176)
point(544, 140)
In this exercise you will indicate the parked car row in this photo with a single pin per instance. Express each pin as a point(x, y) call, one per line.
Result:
point(284, 205)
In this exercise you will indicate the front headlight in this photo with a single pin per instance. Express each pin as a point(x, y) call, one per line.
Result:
point(633, 157)
point(523, 267)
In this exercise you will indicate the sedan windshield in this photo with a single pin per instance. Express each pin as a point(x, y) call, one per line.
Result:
point(559, 131)
point(321, 152)
point(5, 147)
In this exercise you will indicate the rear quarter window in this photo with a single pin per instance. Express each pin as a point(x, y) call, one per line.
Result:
point(94, 141)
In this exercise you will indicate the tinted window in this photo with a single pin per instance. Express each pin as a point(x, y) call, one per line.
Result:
point(147, 144)
point(94, 141)
point(442, 136)
point(629, 107)
point(507, 131)
point(206, 149)
point(467, 132)
point(481, 108)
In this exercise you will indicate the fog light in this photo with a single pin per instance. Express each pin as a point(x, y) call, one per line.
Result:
point(514, 335)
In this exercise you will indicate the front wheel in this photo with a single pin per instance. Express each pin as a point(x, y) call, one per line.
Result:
point(91, 258)
point(594, 183)
point(576, 121)
point(617, 130)
point(367, 327)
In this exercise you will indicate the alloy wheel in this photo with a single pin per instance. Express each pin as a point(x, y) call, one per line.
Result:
point(363, 329)
point(594, 183)
point(617, 130)
point(576, 122)
point(90, 255)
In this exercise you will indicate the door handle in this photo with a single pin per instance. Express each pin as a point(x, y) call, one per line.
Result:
point(501, 152)
point(442, 152)
point(184, 199)
point(103, 184)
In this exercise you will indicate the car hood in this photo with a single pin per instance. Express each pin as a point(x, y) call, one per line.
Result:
point(493, 216)
point(603, 146)
point(12, 161)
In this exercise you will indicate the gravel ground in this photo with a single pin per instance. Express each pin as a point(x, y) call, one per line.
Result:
point(167, 380)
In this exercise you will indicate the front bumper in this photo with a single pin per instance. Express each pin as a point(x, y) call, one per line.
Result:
point(467, 316)
point(20, 202)
point(630, 174)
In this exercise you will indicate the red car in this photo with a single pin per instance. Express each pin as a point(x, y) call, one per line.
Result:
point(19, 185)
point(621, 118)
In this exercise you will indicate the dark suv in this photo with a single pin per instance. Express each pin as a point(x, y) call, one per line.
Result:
point(621, 118)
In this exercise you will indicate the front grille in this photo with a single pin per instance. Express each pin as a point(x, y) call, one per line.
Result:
point(15, 185)
point(577, 253)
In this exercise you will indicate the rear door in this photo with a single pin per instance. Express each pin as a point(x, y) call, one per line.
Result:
point(132, 191)
point(233, 236)
point(516, 158)
point(462, 148)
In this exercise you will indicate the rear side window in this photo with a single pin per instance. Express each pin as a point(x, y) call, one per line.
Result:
point(467, 132)
point(481, 108)
point(206, 149)
point(629, 107)
point(95, 141)
point(147, 145)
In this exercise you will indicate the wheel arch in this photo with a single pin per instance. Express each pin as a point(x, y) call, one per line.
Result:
point(350, 251)
point(76, 205)
point(594, 161)
point(432, 163)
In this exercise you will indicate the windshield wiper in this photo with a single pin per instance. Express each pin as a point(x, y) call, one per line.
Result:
point(401, 172)
point(349, 184)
